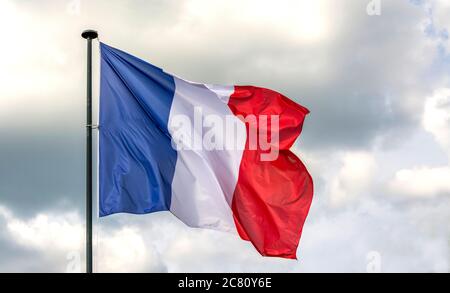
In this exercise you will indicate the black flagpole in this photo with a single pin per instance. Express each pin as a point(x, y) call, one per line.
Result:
point(89, 35)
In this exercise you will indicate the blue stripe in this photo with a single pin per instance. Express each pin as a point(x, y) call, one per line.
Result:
point(137, 162)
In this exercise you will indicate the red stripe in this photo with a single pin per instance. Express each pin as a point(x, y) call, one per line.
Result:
point(272, 198)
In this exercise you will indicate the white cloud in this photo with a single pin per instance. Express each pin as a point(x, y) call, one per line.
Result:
point(302, 20)
point(60, 236)
point(63, 233)
point(436, 118)
point(440, 13)
point(426, 181)
point(408, 238)
point(126, 251)
point(35, 82)
point(333, 240)
point(354, 177)
point(421, 181)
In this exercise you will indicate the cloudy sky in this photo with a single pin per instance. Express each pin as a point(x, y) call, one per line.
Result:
point(377, 142)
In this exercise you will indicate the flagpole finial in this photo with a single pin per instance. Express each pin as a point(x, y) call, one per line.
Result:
point(89, 34)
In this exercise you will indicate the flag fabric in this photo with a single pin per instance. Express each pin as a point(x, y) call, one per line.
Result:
point(153, 130)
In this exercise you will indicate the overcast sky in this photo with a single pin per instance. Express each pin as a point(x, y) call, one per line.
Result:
point(377, 141)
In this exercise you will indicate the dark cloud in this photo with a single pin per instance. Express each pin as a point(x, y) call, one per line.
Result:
point(42, 170)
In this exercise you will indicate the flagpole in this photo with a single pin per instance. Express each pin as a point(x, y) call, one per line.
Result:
point(89, 35)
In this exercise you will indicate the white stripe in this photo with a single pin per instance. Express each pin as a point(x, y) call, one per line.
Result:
point(222, 91)
point(204, 181)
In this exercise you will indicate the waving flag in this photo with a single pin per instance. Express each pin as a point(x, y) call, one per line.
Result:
point(214, 156)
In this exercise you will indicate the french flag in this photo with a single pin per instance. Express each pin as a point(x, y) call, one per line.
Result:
point(216, 157)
